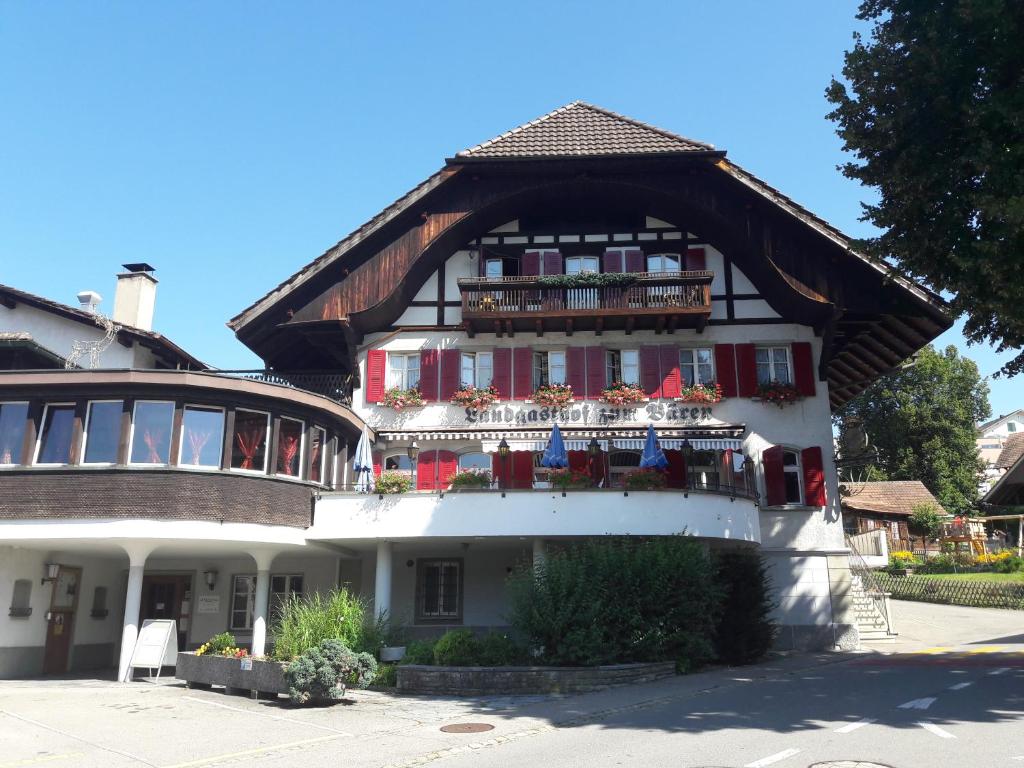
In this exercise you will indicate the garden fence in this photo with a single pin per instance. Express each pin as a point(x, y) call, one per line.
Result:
point(980, 594)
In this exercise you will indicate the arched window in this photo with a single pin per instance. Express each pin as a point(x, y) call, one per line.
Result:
point(620, 464)
point(398, 462)
point(475, 461)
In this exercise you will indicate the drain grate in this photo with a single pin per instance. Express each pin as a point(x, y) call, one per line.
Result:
point(467, 728)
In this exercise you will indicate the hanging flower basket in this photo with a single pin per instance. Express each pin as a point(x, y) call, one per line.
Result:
point(398, 398)
point(645, 480)
point(474, 397)
point(553, 395)
point(563, 479)
point(701, 393)
point(620, 393)
point(777, 393)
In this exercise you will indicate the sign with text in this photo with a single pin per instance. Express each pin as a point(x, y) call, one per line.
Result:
point(587, 414)
point(208, 604)
point(156, 646)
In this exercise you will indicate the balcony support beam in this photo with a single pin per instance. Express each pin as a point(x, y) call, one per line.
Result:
point(599, 326)
point(630, 322)
point(568, 326)
point(540, 327)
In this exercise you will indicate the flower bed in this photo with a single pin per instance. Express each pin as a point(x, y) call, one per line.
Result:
point(620, 393)
point(474, 397)
point(564, 479)
point(257, 676)
point(553, 395)
point(777, 393)
point(398, 398)
point(701, 393)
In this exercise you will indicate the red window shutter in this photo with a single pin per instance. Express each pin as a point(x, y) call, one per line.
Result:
point(522, 373)
point(676, 469)
point(595, 372)
point(576, 370)
point(814, 476)
point(552, 263)
point(803, 368)
point(498, 471)
point(746, 365)
point(695, 260)
point(447, 465)
point(650, 371)
point(774, 478)
point(634, 259)
point(612, 260)
point(376, 369)
point(502, 377)
point(425, 470)
point(531, 263)
point(378, 461)
point(671, 379)
point(451, 373)
point(579, 461)
point(522, 469)
point(725, 368)
point(429, 363)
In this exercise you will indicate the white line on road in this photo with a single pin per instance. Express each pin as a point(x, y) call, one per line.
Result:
point(959, 686)
point(933, 728)
point(850, 727)
point(250, 712)
point(999, 671)
point(924, 703)
point(771, 759)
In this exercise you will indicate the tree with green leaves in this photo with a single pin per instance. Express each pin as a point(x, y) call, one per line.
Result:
point(921, 421)
point(933, 111)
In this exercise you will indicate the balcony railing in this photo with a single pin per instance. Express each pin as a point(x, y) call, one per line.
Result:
point(330, 384)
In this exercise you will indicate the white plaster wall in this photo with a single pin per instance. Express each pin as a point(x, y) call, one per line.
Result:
point(17, 563)
point(801, 586)
point(461, 264)
point(428, 291)
point(750, 309)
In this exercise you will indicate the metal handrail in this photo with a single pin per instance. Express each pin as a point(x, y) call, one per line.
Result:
point(330, 384)
point(870, 585)
point(537, 281)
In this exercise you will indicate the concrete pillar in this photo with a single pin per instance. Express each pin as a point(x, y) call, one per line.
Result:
point(132, 605)
point(261, 604)
point(382, 582)
point(540, 552)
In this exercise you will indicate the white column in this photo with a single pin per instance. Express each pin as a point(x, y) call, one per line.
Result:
point(540, 552)
point(132, 605)
point(382, 582)
point(261, 604)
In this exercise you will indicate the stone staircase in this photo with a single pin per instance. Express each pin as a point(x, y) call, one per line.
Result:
point(870, 622)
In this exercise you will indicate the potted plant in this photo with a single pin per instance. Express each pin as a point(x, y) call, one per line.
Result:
point(778, 393)
point(393, 482)
point(620, 393)
point(645, 480)
point(469, 396)
point(470, 478)
point(398, 398)
point(553, 395)
point(701, 393)
point(564, 479)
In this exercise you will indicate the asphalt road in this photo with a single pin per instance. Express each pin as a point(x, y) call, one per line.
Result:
point(951, 692)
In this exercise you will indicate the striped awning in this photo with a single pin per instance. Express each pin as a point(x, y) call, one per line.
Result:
point(491, 446)
point(707, 439)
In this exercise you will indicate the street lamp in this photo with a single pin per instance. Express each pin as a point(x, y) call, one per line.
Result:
point(413, 451)
point(503, 453)
point(687, 450)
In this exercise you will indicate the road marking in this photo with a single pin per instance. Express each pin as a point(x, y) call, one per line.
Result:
point(70, 735)
point(40, 760)
point(924, 703)
point(771, 759)
point(933, 728)
point(292, 720)
point(849, 727)
point(257, 751)
point(933, 651)
point(987, 649)
point(959, 686)
point(999, 671)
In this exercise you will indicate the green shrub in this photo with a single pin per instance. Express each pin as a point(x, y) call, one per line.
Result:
point(615, 600)
point(219, 643)
point(498, 650)
point(926, 519)
point(645, 480)
point(457, 648)
point(306, 621)
point(471, 478)
point(744, 633)
point(393, 482)
point(1011, 564)
point(386, 677)
point(320, 674)
point(419, 652)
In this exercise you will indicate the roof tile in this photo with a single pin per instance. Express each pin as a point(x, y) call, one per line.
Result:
point(1013, 449)
point(891, 497)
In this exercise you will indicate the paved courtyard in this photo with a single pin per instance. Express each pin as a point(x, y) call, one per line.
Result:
point(951, 692)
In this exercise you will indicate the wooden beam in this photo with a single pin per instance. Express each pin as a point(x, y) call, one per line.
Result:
point(568, 326)
point(497, 328)
point(673, 321)
point(509, 330)
point(659, 324)
point(8, 302)
point(598, 326)
point(540, 327)
point(630, 322)
point(702, 323)
point(467, 325)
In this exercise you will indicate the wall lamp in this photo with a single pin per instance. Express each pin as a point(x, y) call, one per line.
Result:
point(211, 579)
point(52, 572)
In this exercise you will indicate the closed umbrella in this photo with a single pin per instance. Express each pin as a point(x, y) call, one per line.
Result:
point(362, 465)
point(555, 454)
point(653, 457)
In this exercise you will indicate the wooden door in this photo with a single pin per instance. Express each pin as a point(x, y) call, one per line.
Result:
point(168, 597)
point(60, 621)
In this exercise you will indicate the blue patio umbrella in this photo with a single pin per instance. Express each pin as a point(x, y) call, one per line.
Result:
point(555, 454)
point(653, 456)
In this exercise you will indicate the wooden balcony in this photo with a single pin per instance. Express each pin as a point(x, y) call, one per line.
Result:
point(662, 301)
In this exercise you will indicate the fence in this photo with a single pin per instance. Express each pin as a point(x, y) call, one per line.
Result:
point(980, 594)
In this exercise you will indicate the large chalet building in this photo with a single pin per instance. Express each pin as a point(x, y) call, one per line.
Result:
point(584, 269)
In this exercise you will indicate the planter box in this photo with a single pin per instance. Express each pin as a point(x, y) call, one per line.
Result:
point(266, 678)
point(484, 681)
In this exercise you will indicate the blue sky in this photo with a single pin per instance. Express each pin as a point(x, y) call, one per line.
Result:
point(229, 144)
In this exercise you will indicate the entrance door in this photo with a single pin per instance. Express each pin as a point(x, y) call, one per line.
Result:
point(168, 597)
point(61, 621)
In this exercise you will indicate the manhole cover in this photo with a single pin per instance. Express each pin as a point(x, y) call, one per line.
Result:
point(467, 728)
point(848, 764)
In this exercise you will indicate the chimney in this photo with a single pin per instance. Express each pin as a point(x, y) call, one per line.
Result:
point(89, 301)
point(135, 296)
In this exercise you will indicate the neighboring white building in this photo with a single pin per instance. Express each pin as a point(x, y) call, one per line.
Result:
point(992, 438)
point(581, 249)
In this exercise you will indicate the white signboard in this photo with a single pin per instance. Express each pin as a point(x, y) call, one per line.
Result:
point(208, 604)
point(156, 646)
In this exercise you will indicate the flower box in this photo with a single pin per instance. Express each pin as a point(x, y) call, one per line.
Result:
point(777, 393)
point(399, 399)
point(553, 395)
point(701, 393)
point(646, 480)
point(257, 676)
point(565, 479)
point(475, 397)
point(620, 393)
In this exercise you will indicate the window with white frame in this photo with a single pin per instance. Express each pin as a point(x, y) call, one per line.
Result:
point(290, 437)
point(696, 366)
point(475, 461)
point(791, 476)
point(13, 418)
point(477, 369)
point(575, 265)
point(439, 590)
point(622, 365)
point(283, 587)
point(53, 445)
point(202, 436)
point(398, 462)
point(152, 423)
point(102, 431)
point(403, 370)
point(243, 597)
point(664, 262)
point(493, 268)
point(548, 368)
point(318, 455)
point(773, 365)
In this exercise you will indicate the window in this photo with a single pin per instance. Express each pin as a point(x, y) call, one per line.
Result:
point(249, 441)
point(622, 365)
point(575, 265)
point(102, 432)
point(99, 603)
point(791, 475)
point(663, 262)
point(151, 432)
point(703, 469)
point(12, 432)
point(1011, 426)
point(696, 366)
point(478, 461)
point(283, 587)
point(548, 368)
point(243, 600)
point(477, 369)
point(773, 365)
point(54, 445)
point(289, 447)
point(403, 370)
point(21, 599)
point(202, 437)
point(439, 590)
point(493, 268)
point(620, 464)
point(318, 455)
point(399, 462)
